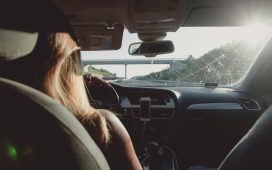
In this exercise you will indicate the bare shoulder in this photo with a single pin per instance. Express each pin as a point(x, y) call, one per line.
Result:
point(116, 127)
point(111, 119)
point(109, 115)
point(121, 143)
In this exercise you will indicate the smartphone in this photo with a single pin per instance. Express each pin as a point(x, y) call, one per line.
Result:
point(145, 103)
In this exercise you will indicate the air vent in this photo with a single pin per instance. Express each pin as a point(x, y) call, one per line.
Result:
point(249, 104)
point(156, 113)
point(155, 100)
point(167, 99)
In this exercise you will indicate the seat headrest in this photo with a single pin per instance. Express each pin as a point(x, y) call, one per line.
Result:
point(21, 21)
point(14, 44)
point(38, 133)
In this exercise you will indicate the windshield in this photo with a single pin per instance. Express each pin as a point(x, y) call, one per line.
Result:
point(220, 55)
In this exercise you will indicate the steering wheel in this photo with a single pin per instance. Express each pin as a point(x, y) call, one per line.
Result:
point(101, 94)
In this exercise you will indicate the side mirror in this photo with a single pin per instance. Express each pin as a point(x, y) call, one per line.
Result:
point(151, 49)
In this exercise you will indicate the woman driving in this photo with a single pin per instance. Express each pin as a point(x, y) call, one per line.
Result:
point(63, 82)
point(53, 68)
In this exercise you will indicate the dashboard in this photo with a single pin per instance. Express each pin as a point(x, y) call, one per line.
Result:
point(170, 103)
point(201, 124)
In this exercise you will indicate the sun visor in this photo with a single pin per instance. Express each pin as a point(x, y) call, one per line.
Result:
point(99, 37)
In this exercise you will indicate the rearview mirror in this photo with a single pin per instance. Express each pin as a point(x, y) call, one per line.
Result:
point(151, 49)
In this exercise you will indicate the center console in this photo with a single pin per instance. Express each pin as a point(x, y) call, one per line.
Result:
point(162, 106)
point(148, 115)
point(155, 156)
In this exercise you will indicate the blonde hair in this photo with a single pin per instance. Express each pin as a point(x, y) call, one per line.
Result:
point(63, 84)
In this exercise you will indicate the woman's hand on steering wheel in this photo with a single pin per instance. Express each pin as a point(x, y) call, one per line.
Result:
point(101, 94)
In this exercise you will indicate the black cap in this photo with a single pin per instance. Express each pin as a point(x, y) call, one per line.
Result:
point(21, 21)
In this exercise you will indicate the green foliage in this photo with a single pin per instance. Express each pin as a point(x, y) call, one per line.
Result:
point(101, 73)
point(224, 65)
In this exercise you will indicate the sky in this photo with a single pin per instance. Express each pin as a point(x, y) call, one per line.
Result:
point(194, 41)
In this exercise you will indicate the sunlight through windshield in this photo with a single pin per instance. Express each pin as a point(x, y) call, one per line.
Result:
point(220, 55)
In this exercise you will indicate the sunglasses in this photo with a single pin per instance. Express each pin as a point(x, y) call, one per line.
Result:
point(76, 57)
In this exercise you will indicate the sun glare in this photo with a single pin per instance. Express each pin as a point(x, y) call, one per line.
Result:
point(256, 30)
point(188, 41)
point(256, 22)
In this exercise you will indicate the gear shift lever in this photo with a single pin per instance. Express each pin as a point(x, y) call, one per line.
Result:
point(159, 157)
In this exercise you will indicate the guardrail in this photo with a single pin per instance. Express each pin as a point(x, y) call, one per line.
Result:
point(131, 61)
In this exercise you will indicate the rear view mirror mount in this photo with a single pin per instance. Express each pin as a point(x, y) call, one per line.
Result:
point(151, 49)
